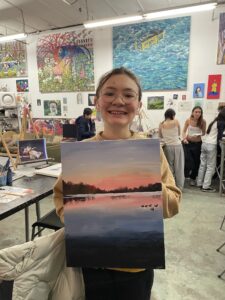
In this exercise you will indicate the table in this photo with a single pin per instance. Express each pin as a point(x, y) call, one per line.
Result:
point(42, 186)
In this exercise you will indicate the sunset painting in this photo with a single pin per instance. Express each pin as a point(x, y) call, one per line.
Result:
point(113, 204)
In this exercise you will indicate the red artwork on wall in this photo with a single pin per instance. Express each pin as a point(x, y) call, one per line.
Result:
point(214, 83)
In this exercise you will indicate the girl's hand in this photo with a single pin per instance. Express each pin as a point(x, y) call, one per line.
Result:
point(185, 141)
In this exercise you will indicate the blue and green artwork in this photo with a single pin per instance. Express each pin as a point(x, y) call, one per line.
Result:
point(157, 52)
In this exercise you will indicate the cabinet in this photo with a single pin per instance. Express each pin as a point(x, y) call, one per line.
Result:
point(10, 119)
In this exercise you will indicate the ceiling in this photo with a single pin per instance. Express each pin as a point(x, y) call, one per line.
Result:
point(30, 16)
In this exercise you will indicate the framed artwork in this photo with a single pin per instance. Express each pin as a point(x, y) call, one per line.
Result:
point(221, 40)
point(91, 98)
point(198, 90)
point(119, 210)
point(22, 85)
point(175, 96)
point(32, 150)
point(156, 51)
point(66, 62)
point(155, 102)
point(184, 97)
point(52, 108)
point(214, 83)
point(38, 102)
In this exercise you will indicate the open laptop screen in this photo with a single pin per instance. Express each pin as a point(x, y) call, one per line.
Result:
point(69, 131)
point(31, 151)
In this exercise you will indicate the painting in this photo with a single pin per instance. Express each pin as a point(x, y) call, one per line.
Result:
point(66, 62)
point(22, 85)
point(13, 59)
point(49, 127)
point(32, 150)
point(113, 218)
point(214, 83)
point(157, 52)
point(155, 102)
point(198, 90)
point(52, 108)
point(221, 41)
point(91, 99)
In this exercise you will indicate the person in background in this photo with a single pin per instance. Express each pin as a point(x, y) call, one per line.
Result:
point(118, 99)
point(194, 129)
point(85, 125)
point(169, 132)
point(208, 157)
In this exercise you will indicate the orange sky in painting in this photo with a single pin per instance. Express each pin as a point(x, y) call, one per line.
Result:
point(126, 180)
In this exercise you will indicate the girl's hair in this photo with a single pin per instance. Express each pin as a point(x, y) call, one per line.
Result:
point(220, 117)
point(118, 71)
point(200, 120)
point(169, 114)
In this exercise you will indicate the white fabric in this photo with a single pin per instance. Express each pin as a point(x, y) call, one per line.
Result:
point(194, 131)
point(39, 270)
point(211, 138)
point(171, 136)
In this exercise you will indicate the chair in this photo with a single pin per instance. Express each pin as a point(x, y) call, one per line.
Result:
point(221, 226)
point(218, 250)
point(50, 221)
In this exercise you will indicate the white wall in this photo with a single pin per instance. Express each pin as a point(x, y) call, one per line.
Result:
point(202, 62)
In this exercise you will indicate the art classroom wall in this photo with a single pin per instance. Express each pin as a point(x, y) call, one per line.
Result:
point(202, 62)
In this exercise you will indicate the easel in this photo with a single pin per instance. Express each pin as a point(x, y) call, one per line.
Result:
point(27, 115)
point(7, 151)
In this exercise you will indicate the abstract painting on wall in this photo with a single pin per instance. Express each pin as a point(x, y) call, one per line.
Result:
point(13, 59)
point(157, 52)
point(198, 90)
point(214, 84)
point(155, 102)
point(66, 62)
point(113, 218)
point(221, 41)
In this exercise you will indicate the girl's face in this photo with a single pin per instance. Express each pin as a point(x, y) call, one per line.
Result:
point(118, 101)
point(197, 113)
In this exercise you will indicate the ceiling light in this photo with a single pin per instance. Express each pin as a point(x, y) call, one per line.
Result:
point(180, 10)
point(107, 22)
point(7, 38)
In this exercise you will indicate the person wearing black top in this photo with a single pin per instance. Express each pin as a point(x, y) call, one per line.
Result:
point(85, 125)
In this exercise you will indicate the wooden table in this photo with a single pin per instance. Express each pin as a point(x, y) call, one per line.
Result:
point(42, 187)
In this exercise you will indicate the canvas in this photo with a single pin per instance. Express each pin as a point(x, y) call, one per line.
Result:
point(66, 62)
point(155, 102)
point(157, 52)
point(13, 59)
point(214, 84)
point(32, 150)
point(113, 204)
point(198, 90)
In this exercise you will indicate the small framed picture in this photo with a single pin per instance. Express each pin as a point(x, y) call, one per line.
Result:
point(91, 98)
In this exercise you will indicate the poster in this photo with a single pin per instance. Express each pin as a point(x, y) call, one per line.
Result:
point(156, 51)
point(221, 41)
point(13, 59)
point(185, 106)
point(214, 82)
point(22, 85)
point(66, 62)
point(52, 108)
point(198, 90)
point(155, 102)
point(113, 211)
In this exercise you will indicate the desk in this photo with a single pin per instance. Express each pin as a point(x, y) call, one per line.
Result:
point(42, 187)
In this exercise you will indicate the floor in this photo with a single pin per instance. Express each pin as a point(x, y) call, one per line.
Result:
point(191, 239)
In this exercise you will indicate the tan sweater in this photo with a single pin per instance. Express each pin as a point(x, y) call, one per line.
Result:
point(171, 195)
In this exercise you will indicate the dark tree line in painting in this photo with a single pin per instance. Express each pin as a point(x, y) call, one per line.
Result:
point(82, 188)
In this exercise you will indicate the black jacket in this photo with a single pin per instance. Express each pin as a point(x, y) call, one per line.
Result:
point(85, 128)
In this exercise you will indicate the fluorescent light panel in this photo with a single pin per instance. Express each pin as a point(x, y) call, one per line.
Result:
point(152, 15)
point(7, 38)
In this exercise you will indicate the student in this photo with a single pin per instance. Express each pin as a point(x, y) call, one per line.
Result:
point(194, 129)
point(85, 125)
point(211, 140)
point(169, 132)
point(118, 99)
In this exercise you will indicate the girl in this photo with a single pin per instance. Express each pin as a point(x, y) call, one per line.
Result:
point(209, 152)
point(118, 99)
point(169, 131)
point(194, 128)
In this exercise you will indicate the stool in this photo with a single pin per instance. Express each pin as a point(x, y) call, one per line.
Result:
point(50, 221)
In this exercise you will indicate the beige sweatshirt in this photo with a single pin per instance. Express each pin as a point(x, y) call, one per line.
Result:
point(171, 195)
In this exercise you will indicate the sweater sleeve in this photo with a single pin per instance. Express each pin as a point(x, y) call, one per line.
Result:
point(171, 195)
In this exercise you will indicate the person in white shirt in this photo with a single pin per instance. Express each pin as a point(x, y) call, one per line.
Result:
point(208, 157)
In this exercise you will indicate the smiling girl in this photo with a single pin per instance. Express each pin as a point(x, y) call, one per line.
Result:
point(118, 99)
